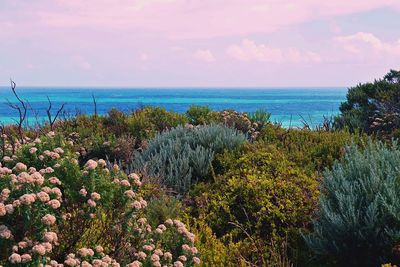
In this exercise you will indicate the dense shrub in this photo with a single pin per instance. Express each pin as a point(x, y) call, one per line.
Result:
point(116, 122)
point(312, 150)
point(201, 115)
point(147, 122)
point(260, 199)
point(213, 251)
point(182, 156)
point(51, 207)
point(358, 221)
point(373, 107)
point(161, 208)
point(259, 118)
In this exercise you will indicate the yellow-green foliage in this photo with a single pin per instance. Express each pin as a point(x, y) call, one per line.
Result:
point(145, 123)
point(212, 250)
point(312, 150)
point(260, 198)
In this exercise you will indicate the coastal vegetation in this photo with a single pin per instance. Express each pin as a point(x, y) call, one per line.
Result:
point(209, 188)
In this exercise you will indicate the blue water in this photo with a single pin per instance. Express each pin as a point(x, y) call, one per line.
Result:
point(287, 105)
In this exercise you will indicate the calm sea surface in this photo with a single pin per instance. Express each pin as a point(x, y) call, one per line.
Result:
point(287, 105)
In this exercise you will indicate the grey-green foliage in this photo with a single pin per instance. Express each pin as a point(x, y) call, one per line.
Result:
point(359, 218)
point(182, 156)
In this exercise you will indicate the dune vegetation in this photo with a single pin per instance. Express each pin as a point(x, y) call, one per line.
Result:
point(208, 188)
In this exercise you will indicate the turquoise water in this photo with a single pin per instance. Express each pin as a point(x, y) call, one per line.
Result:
point(287, 105)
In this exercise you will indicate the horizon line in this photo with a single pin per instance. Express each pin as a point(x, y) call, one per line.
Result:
point(173, 87)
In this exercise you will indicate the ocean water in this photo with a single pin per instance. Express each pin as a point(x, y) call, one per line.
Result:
point(287, 105)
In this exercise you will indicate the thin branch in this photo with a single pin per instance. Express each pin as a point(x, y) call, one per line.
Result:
point(3, 140)
point(95, 105)
point(48, 111)
point(21, 110)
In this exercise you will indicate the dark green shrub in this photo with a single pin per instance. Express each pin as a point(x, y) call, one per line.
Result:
point(358, 222)
point(116, 122)
point(373, 107)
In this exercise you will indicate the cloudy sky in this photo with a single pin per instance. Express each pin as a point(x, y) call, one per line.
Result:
point(198, 42)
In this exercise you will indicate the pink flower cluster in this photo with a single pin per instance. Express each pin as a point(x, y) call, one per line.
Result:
point(37, 249)
point(157, 256)
point(86, 257)
point(33, 150)
point(5, 233)
point(139, 204)
point(135, 178)
point(91, 164)
point(51, 154)
point(51, 134)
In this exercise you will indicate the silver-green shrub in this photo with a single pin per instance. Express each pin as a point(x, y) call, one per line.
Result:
point(182, 156)
point(358, 222)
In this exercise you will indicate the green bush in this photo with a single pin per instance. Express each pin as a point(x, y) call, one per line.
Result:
point(161, 208)
point(201, 115)
point(116, 122)
point(213, 251)
point(261, 117)
point(312, 150)
point(373, 107)
point(182, 156)
point(147, 122)
point(358, 221)
point(260, 199)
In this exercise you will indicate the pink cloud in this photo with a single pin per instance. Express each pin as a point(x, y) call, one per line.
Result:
point(368, 45)
point(248, 50)
point(185, 18)
point(204, 55)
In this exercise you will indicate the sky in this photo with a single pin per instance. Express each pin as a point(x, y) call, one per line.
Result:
point(198, 43)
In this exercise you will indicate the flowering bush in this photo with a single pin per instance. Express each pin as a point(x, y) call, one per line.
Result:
point(51, 207)
point(249, 123)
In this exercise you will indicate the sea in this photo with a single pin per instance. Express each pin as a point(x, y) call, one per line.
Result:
point(292, 107)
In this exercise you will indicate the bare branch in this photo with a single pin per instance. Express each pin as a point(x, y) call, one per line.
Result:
point(58, 112)
point(95, 105)
point(3, 140)
point(48, 111)
point(22, 110)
